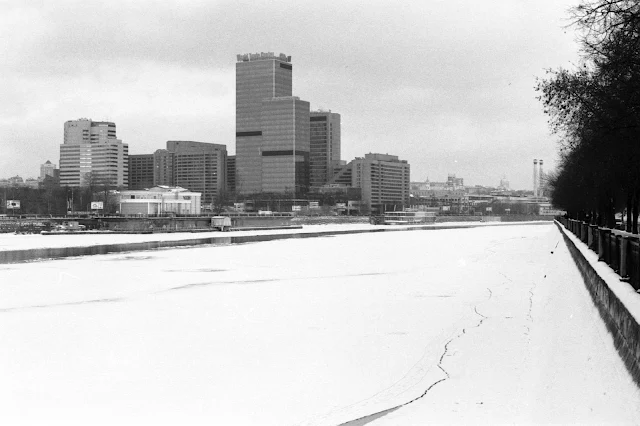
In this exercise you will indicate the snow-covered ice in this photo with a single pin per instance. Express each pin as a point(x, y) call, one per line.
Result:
point(314, 331)
point(10, 241)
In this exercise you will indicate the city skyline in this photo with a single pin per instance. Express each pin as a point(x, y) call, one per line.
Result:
point(447, 85)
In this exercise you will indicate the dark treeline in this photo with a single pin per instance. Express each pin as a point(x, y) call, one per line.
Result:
point(55, 200)
point(595, 109)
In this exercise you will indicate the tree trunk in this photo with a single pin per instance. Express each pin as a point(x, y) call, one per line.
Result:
point(634, 215)
point(629, 224)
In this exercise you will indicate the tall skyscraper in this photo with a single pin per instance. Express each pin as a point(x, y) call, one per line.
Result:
point(272, 127)
point(324, 156)
point(92, 154)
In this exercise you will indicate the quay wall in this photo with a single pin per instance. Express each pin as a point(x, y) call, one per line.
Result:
point(618, 313)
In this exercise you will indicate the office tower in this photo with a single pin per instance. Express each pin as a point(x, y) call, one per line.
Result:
point(140, 171)
point(47, 169)
point(92, 155)
point(196, 166)
point(272, 127)
point(383, 178)
point(200, 167)
point(324, 146)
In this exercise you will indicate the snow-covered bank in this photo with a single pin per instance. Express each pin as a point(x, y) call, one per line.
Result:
point(30, 241)
point(310, 331)
point(18, 248)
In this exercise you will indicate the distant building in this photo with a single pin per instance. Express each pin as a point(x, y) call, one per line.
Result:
point(160, 200)
point(47, 169)
point(140, 171)
point(455, 183)
point(92, 154)
point(504, 184)
point(324, 155)
point(19, 182)
point(272, 127)
point(15, 181)
point(446, 200)
point(384, 181)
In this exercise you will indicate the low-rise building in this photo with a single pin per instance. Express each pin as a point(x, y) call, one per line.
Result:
point(160, 200)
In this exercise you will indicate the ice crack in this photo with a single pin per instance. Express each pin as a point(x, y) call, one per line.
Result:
point(371, 417)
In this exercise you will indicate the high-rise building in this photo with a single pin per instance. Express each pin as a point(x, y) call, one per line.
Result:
point(140, 171)
point(272, 127)
point(47, 169)
point(324, 153)
point(163, 165)
point(200, 167)
point(196, 166)
point(383, 178)
point(92, 154)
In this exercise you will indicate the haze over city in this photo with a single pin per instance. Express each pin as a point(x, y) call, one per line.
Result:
point(446, 85)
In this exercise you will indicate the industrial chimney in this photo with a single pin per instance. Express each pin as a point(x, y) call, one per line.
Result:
point(535, 178)
point(540, 180)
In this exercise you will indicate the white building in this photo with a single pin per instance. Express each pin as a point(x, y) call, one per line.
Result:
point(92, 154)
point(160, 200)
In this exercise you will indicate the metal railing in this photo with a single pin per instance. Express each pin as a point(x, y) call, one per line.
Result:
point(618, 249)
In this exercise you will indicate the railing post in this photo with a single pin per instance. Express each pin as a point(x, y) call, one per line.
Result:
point(615, 256)
point(590, 237)
point(601, 243)
point(634, 264)
point(624, 246)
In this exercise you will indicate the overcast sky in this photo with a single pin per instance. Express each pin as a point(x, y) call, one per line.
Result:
point(446, 85)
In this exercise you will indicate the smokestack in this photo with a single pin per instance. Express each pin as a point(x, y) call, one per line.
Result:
point(535, 178)
point(540, 180)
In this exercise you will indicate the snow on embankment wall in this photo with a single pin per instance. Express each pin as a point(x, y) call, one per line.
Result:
point(617, 302)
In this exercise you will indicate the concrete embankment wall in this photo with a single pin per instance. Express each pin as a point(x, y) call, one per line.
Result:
point(620, 321)
point(14, 256)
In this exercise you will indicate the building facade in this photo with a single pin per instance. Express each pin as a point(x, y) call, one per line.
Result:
point(92, 154)
point(272, 127)
point(231, 173)
point(324, 146)
point(384, 181)
point(200, 167)
point(160, 200)
point(140, 171)
point(196, 166)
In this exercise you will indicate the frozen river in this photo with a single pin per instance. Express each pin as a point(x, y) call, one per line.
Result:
point(482, 325)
